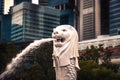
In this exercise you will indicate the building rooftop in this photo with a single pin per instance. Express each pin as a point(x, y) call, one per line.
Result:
point(103, 39)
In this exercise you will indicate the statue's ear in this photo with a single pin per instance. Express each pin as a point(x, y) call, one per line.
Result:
point(70, 28)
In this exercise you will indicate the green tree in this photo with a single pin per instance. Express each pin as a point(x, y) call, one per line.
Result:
point(35, 72)
point(41, 67)
point(95, 53)
point(7, 52)
point(92, 71)
point(90, 68)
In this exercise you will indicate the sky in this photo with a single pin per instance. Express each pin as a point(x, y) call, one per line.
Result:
point(9, 3)
point(35, 1)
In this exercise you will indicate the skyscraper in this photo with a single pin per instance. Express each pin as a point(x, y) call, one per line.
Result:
point(6, 28)
point(66, 10)
point(30, 21)
point(0, 27)
point(19, 1)
point(5, 22)
point(1, 14)
point(104, 17)
point(94, 18)
point(87, 19)
point(40, 2)
point(43, 2)
point(114, 17)
point(1, 7)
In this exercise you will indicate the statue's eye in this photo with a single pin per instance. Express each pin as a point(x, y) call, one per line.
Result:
point(64, 30)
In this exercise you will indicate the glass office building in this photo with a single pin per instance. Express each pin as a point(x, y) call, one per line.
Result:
point(6, 28)
point(0, 26)
point(31, 22)
point(94, 18)
point(104, 17)
point(1, 7)
point(19, 1)
point(87, 19)
point(5, 23)
point(66, 10)
point(43, 2)
point(114, 17)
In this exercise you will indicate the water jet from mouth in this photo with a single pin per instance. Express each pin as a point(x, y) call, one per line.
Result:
point(16, 62)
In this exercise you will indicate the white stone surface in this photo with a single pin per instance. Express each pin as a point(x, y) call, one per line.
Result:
point(103, 39)
point(65, 52)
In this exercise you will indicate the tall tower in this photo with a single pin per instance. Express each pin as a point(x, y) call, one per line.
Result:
point(43, 2)
point(1, 14)
point(40, 2)
point(114, 17)
point(5, 21)
point(0, 27)
point(87, 19)
point(33, 22)
point(104, 17)
point(92, 15)
point(66, 10)
point(1, 7)
point(19, 1)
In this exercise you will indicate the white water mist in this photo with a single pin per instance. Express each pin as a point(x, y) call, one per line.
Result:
point(18, 59)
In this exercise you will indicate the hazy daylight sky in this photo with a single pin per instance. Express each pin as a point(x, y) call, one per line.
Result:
point(9, 3)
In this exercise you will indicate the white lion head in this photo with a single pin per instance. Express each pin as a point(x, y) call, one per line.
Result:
point(65, 43)
point(63, 34)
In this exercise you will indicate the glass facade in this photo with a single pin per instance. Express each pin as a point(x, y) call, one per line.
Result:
point(1, 7)
point(114, 17)
point(0, 27)
point(104, 17)
point(31, 22)
point(67, 17)
point(66, 10)
point(43, 2)
point(6, 28)
point(19, 1)
point(57, 2)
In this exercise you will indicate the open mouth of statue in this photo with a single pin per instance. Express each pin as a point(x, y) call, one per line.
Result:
point(60, 40)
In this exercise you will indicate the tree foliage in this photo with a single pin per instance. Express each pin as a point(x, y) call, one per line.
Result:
point(92, 71)
point(40, 67)
point(90, 67)
point(36, 66)
point(96, 53)
point(7, 52)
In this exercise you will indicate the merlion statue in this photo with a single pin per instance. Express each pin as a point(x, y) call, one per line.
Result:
point(65, 53)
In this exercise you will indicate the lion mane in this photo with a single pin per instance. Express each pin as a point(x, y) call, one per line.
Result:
point(65, 44)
